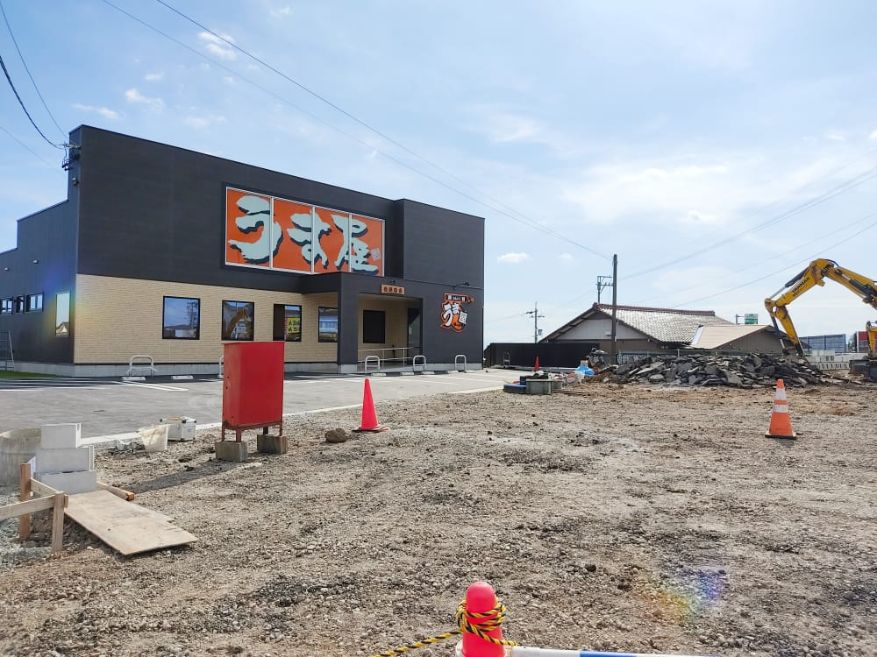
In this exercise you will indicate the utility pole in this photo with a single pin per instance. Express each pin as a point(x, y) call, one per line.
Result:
point(602, 283)
point(536, 317)
point(612, 346)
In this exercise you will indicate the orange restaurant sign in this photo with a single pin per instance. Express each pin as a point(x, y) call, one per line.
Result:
point(275, 233)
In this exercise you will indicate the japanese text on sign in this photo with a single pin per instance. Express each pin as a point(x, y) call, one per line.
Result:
point(275, 233)
point(454, 315)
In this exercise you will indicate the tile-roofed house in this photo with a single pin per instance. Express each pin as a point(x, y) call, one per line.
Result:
point(639, 328)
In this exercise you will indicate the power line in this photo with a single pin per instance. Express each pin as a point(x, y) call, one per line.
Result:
point(345, 133)
point(27, 70)
point(855, 181)
point(507, 317)
point(20, 102)
point(26, 147)
point(526, 219)
point(818, 200)
point(820, 238)
point(779, 271)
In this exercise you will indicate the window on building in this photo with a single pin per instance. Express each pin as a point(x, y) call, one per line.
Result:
point(34, 303)
point(6, 306)
point(238, 320)
point(327, 324)
point(181, 318)
point(287, 323)
point(374, 326)
point(19, 304)
point(62, 314)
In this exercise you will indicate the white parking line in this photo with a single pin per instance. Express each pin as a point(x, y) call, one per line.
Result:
point(153, 386)
point(41, 389)
point(470, 392)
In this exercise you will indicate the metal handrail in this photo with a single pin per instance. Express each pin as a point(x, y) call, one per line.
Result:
point(465, 362)
point(135, 368)
point(414, 363)
point(381, 352)
point(368, 359)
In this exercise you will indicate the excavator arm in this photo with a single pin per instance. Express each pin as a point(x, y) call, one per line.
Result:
point(815, 274)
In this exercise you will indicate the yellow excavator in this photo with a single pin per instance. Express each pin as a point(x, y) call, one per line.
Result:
point(815, 274)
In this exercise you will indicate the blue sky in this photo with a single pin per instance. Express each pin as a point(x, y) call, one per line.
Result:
point(654, 130)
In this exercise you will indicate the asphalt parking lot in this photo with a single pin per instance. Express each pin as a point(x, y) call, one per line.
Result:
point(110, 407)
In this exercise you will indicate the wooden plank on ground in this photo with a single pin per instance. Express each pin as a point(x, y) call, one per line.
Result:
point(125, 526)
point(126, 495)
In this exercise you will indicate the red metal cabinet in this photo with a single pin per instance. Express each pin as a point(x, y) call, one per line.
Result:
point(252, 389)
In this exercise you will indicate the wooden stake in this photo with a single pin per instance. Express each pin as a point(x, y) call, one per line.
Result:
point(126, 495)
point(25, 493)
point(58, 523)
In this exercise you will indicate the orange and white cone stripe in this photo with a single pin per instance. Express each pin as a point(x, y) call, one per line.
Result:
point(780, 419)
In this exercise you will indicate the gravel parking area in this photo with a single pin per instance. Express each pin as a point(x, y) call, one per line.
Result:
point(640, 518)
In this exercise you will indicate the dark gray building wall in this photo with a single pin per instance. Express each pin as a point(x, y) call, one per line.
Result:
point(49, 237)
point(441, 245)
point(440, 345)
point(165, 206)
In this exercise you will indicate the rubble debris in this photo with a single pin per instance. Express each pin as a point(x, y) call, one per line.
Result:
point(736, 371)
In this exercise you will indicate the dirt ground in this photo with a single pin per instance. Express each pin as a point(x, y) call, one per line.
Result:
point(641, 518)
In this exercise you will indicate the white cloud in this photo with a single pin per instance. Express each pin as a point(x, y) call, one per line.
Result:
point(873, 136)
point(154, 77)
point(513, 258)
point(205, 121)
point(504, 126)
point(707, 190)
point(281, 12)
point(136, 98)
point(566, 257)
point(216, 46)
point(688, 193)
point(835, 135)
point(105, 112)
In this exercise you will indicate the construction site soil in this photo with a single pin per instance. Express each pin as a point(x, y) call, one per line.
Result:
point(637, 518)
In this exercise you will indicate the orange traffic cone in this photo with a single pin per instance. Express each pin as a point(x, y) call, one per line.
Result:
point(536, 364)
point(780, 420)
point(369, 420)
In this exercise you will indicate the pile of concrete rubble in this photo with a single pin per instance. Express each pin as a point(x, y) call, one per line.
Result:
point(743, 371)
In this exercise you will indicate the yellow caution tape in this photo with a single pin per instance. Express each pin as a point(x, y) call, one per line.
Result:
point(492, 620)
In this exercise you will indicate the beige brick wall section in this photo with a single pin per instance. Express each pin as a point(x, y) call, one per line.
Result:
point(116, 318)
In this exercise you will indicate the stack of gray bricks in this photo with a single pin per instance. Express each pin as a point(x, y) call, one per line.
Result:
point(62, 462)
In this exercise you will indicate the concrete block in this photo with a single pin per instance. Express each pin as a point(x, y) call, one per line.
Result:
point(272, 444)
point(231, 450)
point(71, 482)
point(61, 436)
point(65, 460)
point(538, 386)
point(180, 428)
